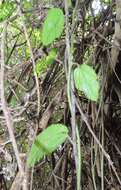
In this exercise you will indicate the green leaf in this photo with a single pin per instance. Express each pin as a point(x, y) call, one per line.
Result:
point(86, 81)
point(53, 26)
point(6, 9)
point(47, 142)
point(43, 63)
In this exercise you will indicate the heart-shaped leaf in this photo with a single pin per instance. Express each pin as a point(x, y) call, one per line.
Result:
point(86, 81)
point(47, 142)
point(53, 26)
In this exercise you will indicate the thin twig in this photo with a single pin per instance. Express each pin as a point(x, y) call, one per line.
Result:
point(98, 142)
point(33, 60)
point(8, 117)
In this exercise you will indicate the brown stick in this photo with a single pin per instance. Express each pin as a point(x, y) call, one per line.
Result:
point(8, 117)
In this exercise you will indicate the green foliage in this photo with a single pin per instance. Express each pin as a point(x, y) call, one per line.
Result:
point(13, 102)
point(51, 56)
point(53, 26)
point(43, 63)
point(6, 10)
point(27, 52)
point(36, 37)
point(26, 4)
point(47, 142)
point(106, 2)
point(86, 81)
point(69, 3)
point(27, 7)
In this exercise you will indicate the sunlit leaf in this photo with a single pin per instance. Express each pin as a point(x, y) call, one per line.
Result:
point(53, 26)
point(6, 10)
point(47, 142)
point(86, 81)
point(36, 37)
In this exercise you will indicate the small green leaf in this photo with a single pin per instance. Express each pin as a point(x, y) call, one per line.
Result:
point(86, 81)
point(43, 63)
point(51, 56)
point(47, 142)
point(53, 26)
point(6, 9)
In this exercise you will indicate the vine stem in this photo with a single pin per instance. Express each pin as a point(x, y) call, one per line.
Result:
point(70, 94)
